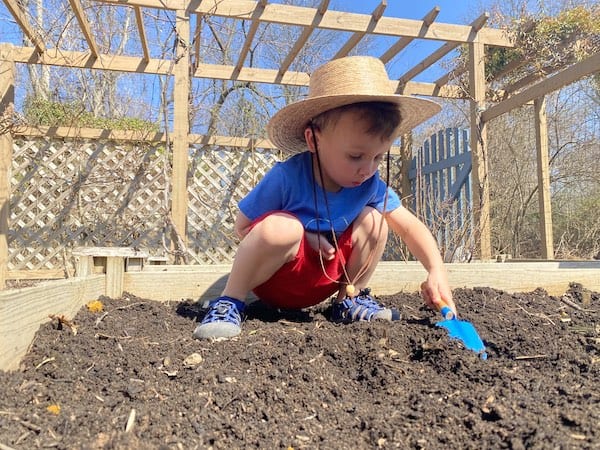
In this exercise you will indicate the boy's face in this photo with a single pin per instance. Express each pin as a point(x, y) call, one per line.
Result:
point(349, 156)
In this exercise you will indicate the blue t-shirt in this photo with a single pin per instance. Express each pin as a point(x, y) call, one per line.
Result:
point(288, 186)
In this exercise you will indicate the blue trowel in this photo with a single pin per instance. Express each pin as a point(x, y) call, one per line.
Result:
point(462, 330)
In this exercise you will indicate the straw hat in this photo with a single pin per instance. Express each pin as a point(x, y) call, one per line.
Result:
point(340, 82)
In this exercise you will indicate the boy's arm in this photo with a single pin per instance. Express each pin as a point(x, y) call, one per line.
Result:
point(242, 224)
point(423, 246)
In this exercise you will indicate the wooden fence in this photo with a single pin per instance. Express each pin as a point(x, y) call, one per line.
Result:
point(70, 192)
point(440, 176)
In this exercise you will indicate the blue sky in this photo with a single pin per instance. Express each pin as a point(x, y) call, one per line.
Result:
point(460, 12)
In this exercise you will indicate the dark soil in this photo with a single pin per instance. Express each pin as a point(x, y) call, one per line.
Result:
point(294, 380)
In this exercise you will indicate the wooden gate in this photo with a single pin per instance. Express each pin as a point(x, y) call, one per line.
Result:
point(440, 177)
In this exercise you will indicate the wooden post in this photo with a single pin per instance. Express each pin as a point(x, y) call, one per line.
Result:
point(406, 158)
point(481, 186)
point(181, 126)
point(7, 99)
point(543, 175)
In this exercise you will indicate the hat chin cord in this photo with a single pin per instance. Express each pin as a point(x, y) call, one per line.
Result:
point(350, 288)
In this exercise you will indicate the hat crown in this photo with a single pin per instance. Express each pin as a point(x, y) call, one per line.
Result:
point(354, 75)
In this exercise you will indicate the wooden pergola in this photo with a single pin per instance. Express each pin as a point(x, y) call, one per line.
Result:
point(475, 37)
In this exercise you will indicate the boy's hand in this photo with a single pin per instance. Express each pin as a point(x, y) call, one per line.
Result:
point(327, 250)
point(436, 292)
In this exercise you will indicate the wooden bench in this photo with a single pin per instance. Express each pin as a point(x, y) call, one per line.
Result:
point(113, 261)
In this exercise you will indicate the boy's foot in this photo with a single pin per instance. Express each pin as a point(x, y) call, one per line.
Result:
point(223, 319)
point(361, 308)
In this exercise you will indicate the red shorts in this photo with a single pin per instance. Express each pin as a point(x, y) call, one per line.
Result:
point(301, 282)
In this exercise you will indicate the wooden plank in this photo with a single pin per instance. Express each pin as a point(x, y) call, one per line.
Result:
point(569, 75)
point(446, 48)
point(258, 10)
point(197, 41)
point(401, 43)
point(109, 251)
point(175, 283)
point(7, 99)
point(85, 26)
point(271, 76)
point(453, 74)
point(543, 175)
point(120, 63)
point(83, 60)
point(480, 168)
point(115, 268)
point(17, 12)
point(302, 39)
point(23, 310)
point(39, 274)
point(356, 37)
point(139, 18)
point(181, 127)
point(333, 20)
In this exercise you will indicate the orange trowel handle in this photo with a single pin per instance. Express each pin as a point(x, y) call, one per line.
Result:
point(446, 311)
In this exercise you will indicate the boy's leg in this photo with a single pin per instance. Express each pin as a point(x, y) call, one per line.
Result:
point(368, 245)
point(367, 248)
point(270, 244)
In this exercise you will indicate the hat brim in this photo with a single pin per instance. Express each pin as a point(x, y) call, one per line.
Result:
point(286, 127)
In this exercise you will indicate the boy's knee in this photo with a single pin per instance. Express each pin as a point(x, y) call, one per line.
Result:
point(370, 220)
point(280, 230)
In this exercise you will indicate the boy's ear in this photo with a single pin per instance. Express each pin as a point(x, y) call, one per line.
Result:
point(308, 137)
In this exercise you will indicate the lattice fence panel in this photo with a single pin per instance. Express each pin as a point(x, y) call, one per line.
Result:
point(67, 193)
point(218, 179)
point(71, 192)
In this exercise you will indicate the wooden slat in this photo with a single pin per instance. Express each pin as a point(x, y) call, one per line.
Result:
point(197, 41)
point(356, 37)
point(446, 48)
point(543, 179)
point(270, 76)
point(480, 162)
point(85, 26)
point(139, 18)
point(401, 43)
point(83, 60)
point(302, 39)
point(22, 311)
point(181, 127)
point(260, 7)
point(19, 15)
point(333, 20)
point(40, 274)
point(7, 99)
point(173, 283)
point(569, 75)
point(455, 73)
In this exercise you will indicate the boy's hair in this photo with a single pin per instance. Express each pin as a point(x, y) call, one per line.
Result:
point(381, 118)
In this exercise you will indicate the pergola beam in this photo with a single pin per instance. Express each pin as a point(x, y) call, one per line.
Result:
point(260, 7)
point(85, 26)
point(401, 43)
point(19, 15)
point(569, 75)
point(332, 20)
point(476, 25)
point(83, 60)
point(356, 37)
point(131, 64)
point(455, 73)
point(142, 31)
point(302, 39)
